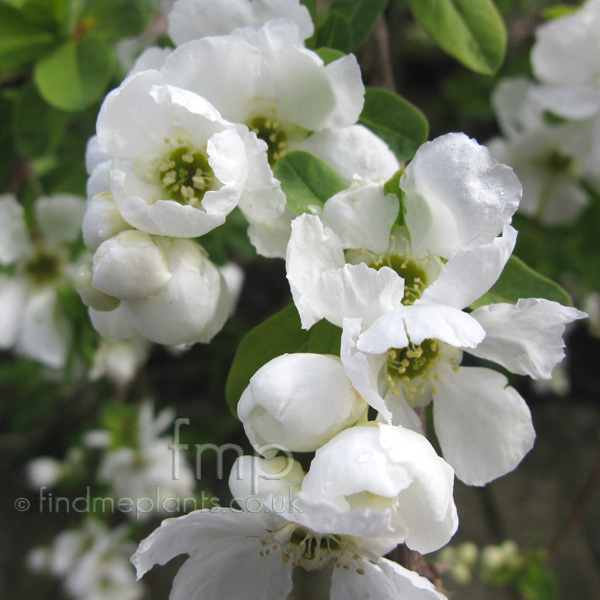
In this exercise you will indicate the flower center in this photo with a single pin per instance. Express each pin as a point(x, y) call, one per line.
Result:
point(186, 175)
point(272, 134)
point(407, 363)
point(560, 163)
point(410, 269)
point(43, 267)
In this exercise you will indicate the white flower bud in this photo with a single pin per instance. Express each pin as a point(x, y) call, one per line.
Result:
point(299, 401)
point(102, 220)
point(130, 266)
point(91, 296)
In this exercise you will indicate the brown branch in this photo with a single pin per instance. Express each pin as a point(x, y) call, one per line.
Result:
point(377, 58)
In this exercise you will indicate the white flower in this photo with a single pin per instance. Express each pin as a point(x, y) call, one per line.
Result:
point(169, 291)
point(566, 58)
point(178, 168)
point(193, 19)
point(91, 561)
point(404, 325)
point(146, 470)
point(549, 159)
point(119, 360)
point(31, 320)
point(265, 547)
point(299, 401)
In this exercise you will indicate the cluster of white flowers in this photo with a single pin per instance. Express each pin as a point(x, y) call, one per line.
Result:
point(398, 264)
point(551, 126)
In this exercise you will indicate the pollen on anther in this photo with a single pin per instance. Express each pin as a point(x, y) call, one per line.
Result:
point(360, 571)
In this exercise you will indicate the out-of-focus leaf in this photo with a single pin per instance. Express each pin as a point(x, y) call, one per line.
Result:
point(399, 123)
point(76, 74)
point(278, 335)
point(472, 31)
point(38, 127)
point(307, 181)
point(116, 19)
point(363, 15)
point(336, 32)
point(329, 54)
point(20, 40)
point(520, 281)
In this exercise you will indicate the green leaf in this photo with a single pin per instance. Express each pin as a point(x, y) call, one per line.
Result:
point(38, 128)
point(472, 31)
point(278, 335)
point(20, 40)
point(76, 74)
point(116, 19)
point(363, 15)
point(520, 281)
point(328, 55)
point(399, 123)
point(336, 32)
point(392, 186)
point(307, 181)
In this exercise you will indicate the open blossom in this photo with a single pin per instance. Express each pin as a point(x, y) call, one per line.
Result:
point(193, 19)
point(266, 545)
point(91, 562)
point(299, 401)
point(31, 321)
point(178, 169)
point(146, 469)
point(285, 94)
point(549, 159)
point(402, 304)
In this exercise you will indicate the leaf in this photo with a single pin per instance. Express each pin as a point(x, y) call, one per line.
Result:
point(336, 32)
point(399, 123)
point(280, 334)
point(307, 181)
point(520, 281)
point(363, 15)
point(328, 55)
point(76, 74)
point(116, 19)
point(38, 128)
point(472, 31)
point(20, 40)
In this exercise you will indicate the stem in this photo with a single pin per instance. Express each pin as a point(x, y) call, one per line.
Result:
point(377, 58)
point(577, 512)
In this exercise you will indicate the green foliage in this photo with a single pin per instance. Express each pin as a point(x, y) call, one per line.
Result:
point(76, 74)
point(392, 186)
point(520, 281)
point(401, 124)
point(361, 15)
point(328, 55)
point(307, 181)
point(472, 31)
point(280, 334)
point(116, 19)
point(336, 32)
point(20, 40)
point(38, 127)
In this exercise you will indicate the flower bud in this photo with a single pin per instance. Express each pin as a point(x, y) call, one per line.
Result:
point(299, 401)
point(91, 296)
point(102, 220)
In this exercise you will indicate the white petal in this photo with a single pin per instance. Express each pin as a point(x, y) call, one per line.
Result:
point(234, 277)
point(362, 216)
point(484, 427)
point(470, 273)
point(402, 413)
point(113, 324)
point(14, 237)
point(13, 295)
point(363, 369)
point(194, 19)
point(527, 337)
point(346, 81)
point(385, 580)
point(151, 58)
point(417, 323)
point(94, 155)
point(270, 238)
point(192, 307)
point(101, 221)
point(457, 195)
point(45, 332)
point(579, 102)
point(130, 266)
point(351, 151)
point(59, 218)
point(313, 249)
